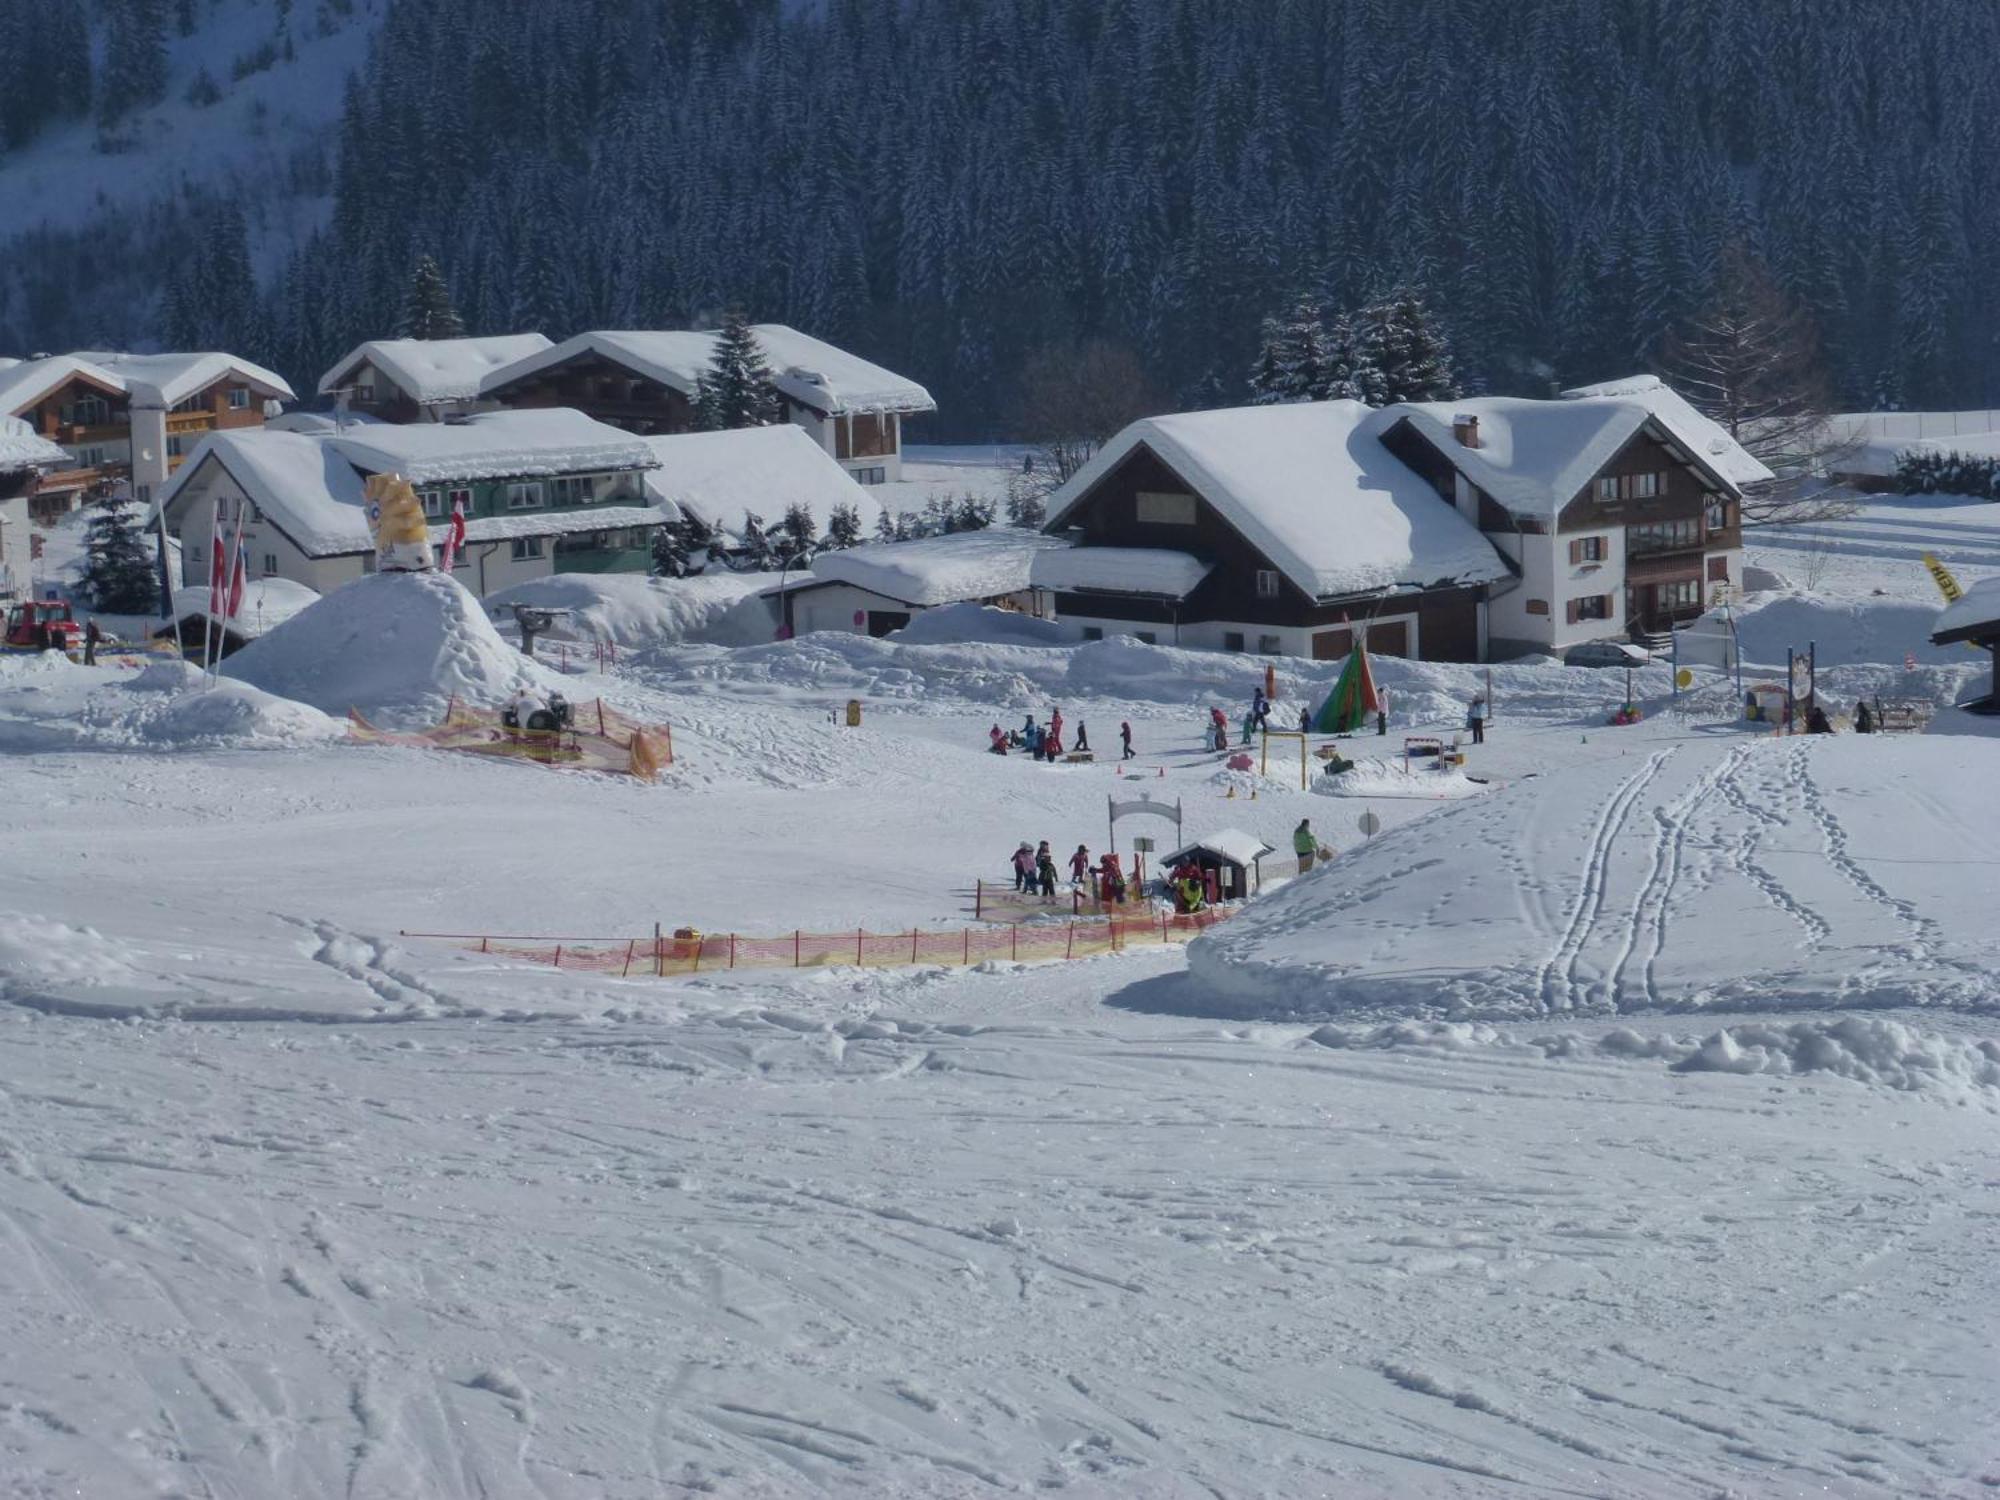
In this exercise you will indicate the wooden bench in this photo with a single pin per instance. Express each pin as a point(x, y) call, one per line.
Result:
point(1074, 756)
point(1901, 716)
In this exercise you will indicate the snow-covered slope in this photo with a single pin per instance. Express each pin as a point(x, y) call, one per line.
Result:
point(397, 647)
point(631, 610)
point(249, 137)
point(1774, 874)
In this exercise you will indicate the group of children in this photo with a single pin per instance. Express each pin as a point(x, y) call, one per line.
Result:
point(1045, 741)
point(1256, 719)
point(1035, 872)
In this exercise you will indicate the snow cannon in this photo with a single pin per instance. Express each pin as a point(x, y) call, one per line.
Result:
point(536, 712)
point(402, 540)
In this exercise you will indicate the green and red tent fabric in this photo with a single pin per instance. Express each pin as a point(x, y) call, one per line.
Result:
point(1353, 699)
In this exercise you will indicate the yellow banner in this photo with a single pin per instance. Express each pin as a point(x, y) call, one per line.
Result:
point(1947, 585)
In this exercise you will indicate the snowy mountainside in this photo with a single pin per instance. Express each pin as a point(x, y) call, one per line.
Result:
point(260, 132)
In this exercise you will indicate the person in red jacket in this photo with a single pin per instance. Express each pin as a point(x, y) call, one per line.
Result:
point(1055, 732)
point(1079, 866)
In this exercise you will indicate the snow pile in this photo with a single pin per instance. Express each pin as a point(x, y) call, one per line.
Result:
point(397, 647)
point(1765, 876)
point(21, 447)
point(958, 567)
point(1424, 778)
point(721, 476)
point(1843, 632)
point(631, 610)
point(1863, 1048)
point(493, 444)
point(48, 703)
point(963, 624)
point(37, 951)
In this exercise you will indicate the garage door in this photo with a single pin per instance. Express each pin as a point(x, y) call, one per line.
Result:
point(1390, 639)
point(1331, 645)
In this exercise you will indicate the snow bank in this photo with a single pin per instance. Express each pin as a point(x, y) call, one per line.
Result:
point(48, 703)
point(1768, 875)
point(1866, 1049)
point(1844, 632)
point(958, 567)
point(1421, 779)
point(396, 646)
point(964, 624)
point(631, 610)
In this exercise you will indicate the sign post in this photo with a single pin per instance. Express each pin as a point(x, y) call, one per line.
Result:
point(1368, 823)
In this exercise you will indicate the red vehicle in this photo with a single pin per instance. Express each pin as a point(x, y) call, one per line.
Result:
point(42, 625)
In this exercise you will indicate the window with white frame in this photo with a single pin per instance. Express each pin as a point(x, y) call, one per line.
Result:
point(875, 475)
point(576, 489)
point(1607, 488)
point(1269, 645)
point(239, 398)
point(525, 495)
point(1267, 583)
point(526, 547)
point(270, 564)
point(433, 503)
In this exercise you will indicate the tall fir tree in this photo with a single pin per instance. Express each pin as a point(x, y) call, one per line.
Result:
point(843, 528)
point(735, 390)
point(135, 59)
point(756, 551)
point(1404, 352)
point(796, 532)
point(118, 572)
point(427, 309)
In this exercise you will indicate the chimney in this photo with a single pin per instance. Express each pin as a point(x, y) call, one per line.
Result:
point(149, 441)
point(1465, 428)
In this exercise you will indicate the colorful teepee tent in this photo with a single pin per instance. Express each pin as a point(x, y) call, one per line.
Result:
point(1353, 697)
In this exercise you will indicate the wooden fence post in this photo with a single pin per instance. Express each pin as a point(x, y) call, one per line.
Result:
point(968, 946)
point(627, 970)
point(978, 900)
point(732, 950)
point(1015, 930)
point(796, 940)
point(558, 955)
point(913, 945)
point(659, 955)
point(859, 960)
point(485, 945)
point(1069, 947)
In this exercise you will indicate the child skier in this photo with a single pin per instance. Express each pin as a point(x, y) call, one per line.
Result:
point(1079, 866)
point(1024, 867)
point(1045, 869)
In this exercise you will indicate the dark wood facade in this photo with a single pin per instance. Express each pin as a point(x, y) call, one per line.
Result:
point(603, 390)
point(1245, 586)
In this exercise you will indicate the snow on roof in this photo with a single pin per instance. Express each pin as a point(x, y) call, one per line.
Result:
point(964, 565)
point(1121, 570)
point(168, 378)
point(1232, 844)
point(429, 371)
point(1705, 437)
point(720, 475)
point(1314, 490)
point(1977, 609)
point(173, 378)
point(492, 445)
point(1533, 456)
point(22, 385)
point(267, 603)
point(21, 447)
point(809, 370)
point(555, 522)
point(300, 481)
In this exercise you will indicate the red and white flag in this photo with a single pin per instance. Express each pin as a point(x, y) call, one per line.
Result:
point(455, 538)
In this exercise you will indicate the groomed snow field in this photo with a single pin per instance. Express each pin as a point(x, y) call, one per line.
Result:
point(1623, 1128)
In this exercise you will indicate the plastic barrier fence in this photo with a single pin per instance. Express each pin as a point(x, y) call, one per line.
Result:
point(666, 956)
point(598, 738)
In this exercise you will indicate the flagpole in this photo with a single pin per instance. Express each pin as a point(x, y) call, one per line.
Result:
point(233, 600)
point(214, 584)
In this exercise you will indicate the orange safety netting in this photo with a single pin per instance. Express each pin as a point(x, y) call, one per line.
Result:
point(692, 953)
point(598, 738)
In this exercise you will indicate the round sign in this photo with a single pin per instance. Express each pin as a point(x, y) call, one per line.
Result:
point(1683, 678)
point(1369, 824)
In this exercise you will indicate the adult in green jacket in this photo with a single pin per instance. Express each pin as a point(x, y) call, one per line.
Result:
point(1305, 844)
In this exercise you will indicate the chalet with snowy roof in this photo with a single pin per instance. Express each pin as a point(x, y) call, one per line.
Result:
point(130, 417)
point(1618, 508)
point(25, 456)
point(644, 380)
point(1452, 531)
point(1284, 530)
point(880, 587)
point(719, 478)
point(543, 491)
point(423, 380)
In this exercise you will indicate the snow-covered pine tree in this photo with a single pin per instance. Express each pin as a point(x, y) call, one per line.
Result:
point(843, 528)
point(427, 309)
point(796, 530)
point(670, 551)
point(1406, 345)
point(117, 572)
point(1026, 507)
point(757, 552)
point(1345, 376)
point(1291, 360)
point(971, 514)
point(885, 526)
point(937, 517)
point(735, 390)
